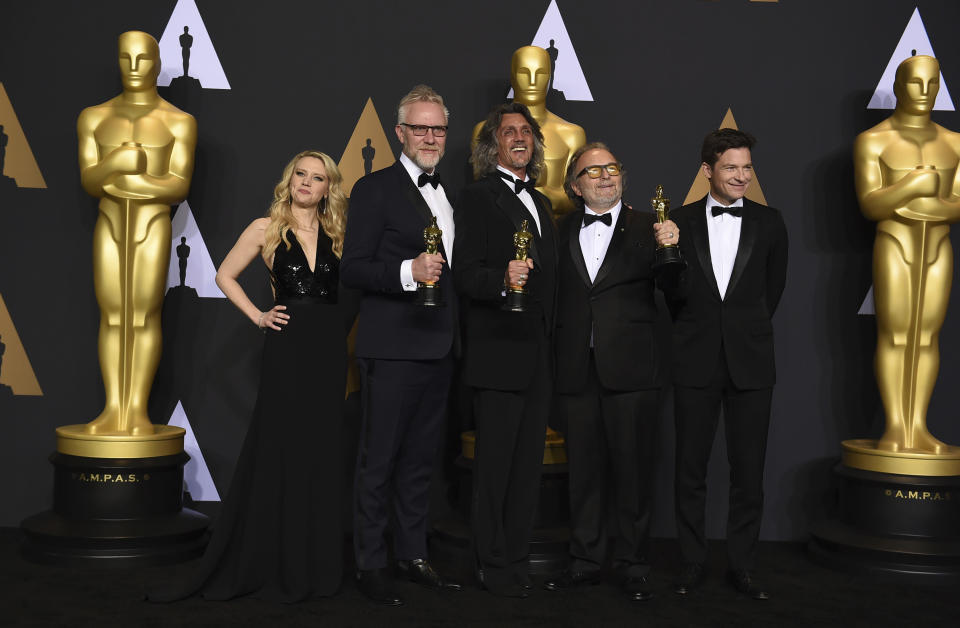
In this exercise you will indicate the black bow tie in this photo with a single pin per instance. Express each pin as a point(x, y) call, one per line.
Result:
point(589, 219)
point(518, 185)
point(432, 179)
point(716, 210)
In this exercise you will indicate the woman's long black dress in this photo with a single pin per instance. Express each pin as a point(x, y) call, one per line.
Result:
point(279, 535)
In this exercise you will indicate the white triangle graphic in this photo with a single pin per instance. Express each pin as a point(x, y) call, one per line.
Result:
point(201, 272)
point(914, 38)
point(867, 308)
point(196, 475)
point(204, 63)
point(567, 75)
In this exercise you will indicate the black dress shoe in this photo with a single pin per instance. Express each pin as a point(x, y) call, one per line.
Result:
point(743, 582)
point(419, 570)
point(498, 588)
point(637, 588)
point(571, 580)
point(691, 576)
point(524, 581)
point(375, 584)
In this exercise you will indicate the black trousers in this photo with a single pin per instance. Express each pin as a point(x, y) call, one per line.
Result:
point(746, 420)
point(404, 404)
point(611, 446)
point(511, 427)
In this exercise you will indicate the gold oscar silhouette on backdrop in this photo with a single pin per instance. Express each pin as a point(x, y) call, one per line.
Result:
point(136, 155)
point(530, 72)
point(906, 171)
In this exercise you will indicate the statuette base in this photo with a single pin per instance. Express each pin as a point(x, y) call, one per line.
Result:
point(116, 512)
point(73, 440)
point(863, 453)
point(902, 526)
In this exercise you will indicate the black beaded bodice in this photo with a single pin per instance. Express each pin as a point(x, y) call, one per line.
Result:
point(291, 275)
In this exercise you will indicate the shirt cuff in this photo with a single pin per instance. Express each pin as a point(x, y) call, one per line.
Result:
point(406, 276)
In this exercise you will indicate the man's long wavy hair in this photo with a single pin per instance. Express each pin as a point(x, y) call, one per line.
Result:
point(332, 210)
point(484, 156)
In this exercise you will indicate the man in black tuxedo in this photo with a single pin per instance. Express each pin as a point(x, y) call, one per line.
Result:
point(723, 353)
point(506, 355)
point(404, 350)
point(608, 375)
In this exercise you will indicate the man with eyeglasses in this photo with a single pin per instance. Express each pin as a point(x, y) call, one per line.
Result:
point(506, 358)
point(608, 372)
point(736, 251)
point(404, 350)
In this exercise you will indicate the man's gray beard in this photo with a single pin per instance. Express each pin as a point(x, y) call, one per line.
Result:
point(415, 158)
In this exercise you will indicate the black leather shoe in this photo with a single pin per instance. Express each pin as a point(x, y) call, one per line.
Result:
point(743, 582)
point(500, 589)
point(637, 588)
point(691, 576)
point(419, 570)
point(572, 580)
point(375, 584)
point(524, 581)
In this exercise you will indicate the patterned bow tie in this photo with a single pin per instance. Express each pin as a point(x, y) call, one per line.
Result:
point(432, 179)
point(589, 219)
point(518, 185)
point(716, 210)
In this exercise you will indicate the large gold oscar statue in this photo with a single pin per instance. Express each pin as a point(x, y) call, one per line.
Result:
point(530, 71)
point(906, 180)
point(136, 155)
point(118, 480)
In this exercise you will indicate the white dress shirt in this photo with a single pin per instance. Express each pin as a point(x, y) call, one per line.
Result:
point(595, 239)
point(436, 200)
point(524, 197)
point(724, 234)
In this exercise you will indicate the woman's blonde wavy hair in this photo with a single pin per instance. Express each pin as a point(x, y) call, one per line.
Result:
point(332, 211)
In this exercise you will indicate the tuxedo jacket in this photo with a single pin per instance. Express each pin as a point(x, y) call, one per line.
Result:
point(618, 306)
point(385, 226)
point(740, 323)
point(499, 346)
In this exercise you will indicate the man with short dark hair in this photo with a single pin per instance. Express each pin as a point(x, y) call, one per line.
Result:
point(723, 353)
point(404, 350)
point(506, 359)
point(608, 373)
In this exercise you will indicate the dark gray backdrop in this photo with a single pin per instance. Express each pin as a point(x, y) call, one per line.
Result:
point(797, 74)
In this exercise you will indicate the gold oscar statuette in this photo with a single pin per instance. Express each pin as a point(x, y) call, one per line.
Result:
point(517, 295)
point(667, 255)
point(136, 155)
point(428, 292)
point(530, 77)
point(906, 181)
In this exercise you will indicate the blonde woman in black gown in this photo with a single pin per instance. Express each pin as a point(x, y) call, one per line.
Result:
point(279, 536)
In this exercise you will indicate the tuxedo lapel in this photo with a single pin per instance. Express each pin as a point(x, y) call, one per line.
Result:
point(412, 194)
point(576, 253)
point(748, 239)
point(515, 210)
point(613, 249)
point(701, 243)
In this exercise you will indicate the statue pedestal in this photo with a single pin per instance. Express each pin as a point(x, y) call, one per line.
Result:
point(116, 510)
point(905, 526)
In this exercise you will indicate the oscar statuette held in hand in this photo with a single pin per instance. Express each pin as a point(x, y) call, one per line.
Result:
point(428, 292)
point(667, 255)
point(516, 294)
